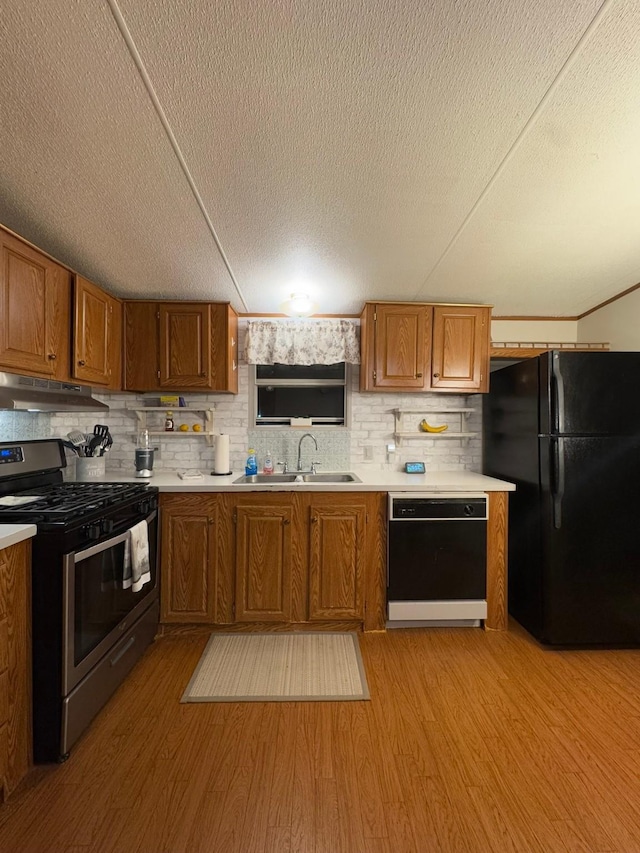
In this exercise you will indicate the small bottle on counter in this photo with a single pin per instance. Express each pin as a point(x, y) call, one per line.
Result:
point(169, 425)
point(267, 467)
point(251, 466)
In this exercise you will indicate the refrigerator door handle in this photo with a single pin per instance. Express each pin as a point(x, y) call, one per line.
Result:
point(557, 480)
point(558, 395)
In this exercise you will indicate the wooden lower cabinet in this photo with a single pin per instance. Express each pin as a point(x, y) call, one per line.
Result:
point(189, 558)
point(265, 557)
point(15, 666)
point(263, 562)
point(337, 554)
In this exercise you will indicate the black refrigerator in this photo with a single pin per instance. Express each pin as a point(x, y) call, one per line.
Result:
point(565, 428)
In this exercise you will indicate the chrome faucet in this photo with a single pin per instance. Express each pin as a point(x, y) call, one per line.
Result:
point(306, 435)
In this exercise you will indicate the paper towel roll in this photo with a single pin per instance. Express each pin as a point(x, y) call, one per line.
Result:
point(221, 459)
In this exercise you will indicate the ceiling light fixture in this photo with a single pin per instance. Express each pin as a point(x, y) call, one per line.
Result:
point(299, 305)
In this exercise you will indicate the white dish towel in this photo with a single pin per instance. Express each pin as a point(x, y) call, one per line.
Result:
point(137, 569)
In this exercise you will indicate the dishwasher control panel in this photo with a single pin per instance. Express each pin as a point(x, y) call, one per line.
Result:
point(437, 507)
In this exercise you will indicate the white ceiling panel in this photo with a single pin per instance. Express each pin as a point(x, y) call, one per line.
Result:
point(87, 172)
point(558, 232)
point(350, 149)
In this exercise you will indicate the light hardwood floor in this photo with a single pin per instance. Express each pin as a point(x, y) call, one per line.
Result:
point(472, 741)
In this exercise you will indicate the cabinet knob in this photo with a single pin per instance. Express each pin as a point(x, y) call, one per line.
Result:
point(314, 519)
point(202, 373)
point(418, 376)
point(436, 375)
point(52, 356)
point(81, 363)
point(285, 521)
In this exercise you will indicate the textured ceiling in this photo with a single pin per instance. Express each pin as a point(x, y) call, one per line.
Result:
point(456, 150)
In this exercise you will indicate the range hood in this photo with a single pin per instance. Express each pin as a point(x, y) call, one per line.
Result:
point(28, 394)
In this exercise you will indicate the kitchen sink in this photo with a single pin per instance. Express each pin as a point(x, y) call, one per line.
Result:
point(266, 479)
point(331, 478)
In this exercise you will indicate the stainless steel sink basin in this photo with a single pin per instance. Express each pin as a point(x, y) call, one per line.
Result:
point(331, 478)
point(267, 479)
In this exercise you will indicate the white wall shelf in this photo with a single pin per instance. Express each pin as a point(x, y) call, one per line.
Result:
point(205, 415)
point(403, 433)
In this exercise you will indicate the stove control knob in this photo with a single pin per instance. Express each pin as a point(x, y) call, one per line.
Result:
point(93, 531)
point(143, 507)
point(107, 525)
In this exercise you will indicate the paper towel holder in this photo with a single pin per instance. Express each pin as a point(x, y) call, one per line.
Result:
point(224, 460)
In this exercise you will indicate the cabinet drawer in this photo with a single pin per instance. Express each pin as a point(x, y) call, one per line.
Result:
point(4, 697)
point(4, 645)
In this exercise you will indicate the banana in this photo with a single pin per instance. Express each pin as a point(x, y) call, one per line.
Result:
point(426, 427)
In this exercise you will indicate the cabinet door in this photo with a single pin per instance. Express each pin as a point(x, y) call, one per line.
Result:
point(402, 337)
point(185, 345)
point(224, 348)
point(189, 558)
point(35, 295)
point(93, 309)
point(336, 560)
point(15, 681)
point(141, 371)
point(263, 563)
point(115, 345)
point(460, 360)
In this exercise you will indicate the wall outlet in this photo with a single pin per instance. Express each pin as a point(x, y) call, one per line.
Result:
point(368, 452)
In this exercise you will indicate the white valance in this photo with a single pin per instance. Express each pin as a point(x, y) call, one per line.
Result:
point(302, 342)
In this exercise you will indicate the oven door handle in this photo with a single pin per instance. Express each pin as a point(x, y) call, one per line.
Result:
point(109, 543)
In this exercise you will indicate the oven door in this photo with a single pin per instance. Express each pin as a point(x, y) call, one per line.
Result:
point(97, 607)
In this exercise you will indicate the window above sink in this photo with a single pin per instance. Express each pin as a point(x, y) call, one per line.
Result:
point(282, 393)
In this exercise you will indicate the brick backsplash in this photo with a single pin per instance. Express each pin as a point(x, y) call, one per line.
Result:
point(371, 429)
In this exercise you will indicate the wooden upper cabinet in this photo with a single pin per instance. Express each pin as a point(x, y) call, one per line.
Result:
point(35, 310)
point(224, 348)
point(414, 346)
point(180, 345)
point(185, 345)
point(401, 352)
point(460, 359)
point(140, 330)
point(263, 563)
point(97, 335)
point(337, 551)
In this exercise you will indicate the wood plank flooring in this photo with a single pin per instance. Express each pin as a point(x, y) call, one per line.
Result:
point(473, 741)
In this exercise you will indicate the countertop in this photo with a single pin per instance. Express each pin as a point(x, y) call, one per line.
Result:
point(372, 481)
point(11, 534)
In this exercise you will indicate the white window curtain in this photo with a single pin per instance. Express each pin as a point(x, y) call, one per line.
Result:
point(302, 342)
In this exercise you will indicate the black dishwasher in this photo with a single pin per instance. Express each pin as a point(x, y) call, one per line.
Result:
point(437, 558)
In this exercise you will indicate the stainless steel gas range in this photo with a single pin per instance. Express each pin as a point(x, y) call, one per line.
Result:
point(94, 586)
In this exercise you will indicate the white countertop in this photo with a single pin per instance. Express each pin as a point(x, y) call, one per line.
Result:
point(372, 481)
point(11, 534)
